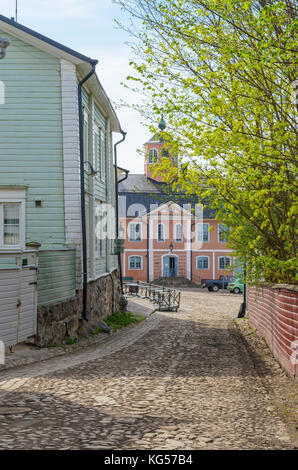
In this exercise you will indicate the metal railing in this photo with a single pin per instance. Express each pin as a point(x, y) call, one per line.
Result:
point(165, 298)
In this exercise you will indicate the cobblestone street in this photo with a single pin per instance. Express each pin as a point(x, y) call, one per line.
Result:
point(175, 381)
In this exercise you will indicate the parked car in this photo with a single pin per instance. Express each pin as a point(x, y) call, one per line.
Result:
point(214, 285)
point(236, 286)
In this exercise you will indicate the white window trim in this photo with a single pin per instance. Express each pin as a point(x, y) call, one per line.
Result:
point(197, 230)
point(175, 234)
point(96, 155)
point(134, 269)
point(202, 269)
point(86, 141)
point(141, 234)
point(226, 268)
point(14, 196)
point(103, 164)
point(155, 151)
point(218, 233)
point(164, 233)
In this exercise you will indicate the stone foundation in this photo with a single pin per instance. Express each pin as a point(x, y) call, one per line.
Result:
point(56, 322)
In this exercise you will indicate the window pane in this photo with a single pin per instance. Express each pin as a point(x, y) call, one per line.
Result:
point(222, 233)
point(11, 224)
point(203, 232)
point(160, 232)
point(152, 156)
point(96, 152)
point(85, 146)
point(224, 262)
point(103, 156)
point(135, 262)
point(178, 232)
point(203, 262)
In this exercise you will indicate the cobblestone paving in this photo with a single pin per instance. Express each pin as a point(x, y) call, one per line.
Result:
point(176, 381)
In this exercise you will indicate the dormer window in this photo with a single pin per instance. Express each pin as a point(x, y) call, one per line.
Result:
point(153, 156)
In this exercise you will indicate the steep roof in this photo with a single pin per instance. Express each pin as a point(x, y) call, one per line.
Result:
point(142, 194)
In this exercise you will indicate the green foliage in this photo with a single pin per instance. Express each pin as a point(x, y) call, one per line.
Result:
point(70, 341)
point(222, 74)
point(118, 321)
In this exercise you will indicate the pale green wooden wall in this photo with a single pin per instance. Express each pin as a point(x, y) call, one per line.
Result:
point(56, 278)
point(31, 138)
point(31, 155)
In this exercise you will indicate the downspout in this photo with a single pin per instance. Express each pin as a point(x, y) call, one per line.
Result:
point(82, 174)
point(117, 203)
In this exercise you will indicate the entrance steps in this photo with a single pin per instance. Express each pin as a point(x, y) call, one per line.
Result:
point(174, 282)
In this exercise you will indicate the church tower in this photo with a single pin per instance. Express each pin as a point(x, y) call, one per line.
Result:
point(154, 151)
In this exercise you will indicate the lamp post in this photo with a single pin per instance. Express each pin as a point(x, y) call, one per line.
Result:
point(4, 43)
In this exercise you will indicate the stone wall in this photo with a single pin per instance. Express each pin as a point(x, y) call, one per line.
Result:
point(273, 313)
point(64, 320)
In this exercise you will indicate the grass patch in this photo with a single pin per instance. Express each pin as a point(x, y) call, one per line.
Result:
point(118, 321)
point(70, 341)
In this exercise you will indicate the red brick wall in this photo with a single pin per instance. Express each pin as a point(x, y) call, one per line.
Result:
point(273, 312)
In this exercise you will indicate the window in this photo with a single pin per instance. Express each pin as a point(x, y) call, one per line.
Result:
point(135, 232)
point(12, 218)
point(160, 233)
point(203, 232)
point(85, 136)
point(96, 162)
point(102, 155)
point(153, 156)
point(11, 224)
point(135, 262)
point(202, 262)
point(223, 232)
point(178, 233)
point(224, 262)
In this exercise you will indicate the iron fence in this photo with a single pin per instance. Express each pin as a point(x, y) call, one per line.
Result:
point(165, 298)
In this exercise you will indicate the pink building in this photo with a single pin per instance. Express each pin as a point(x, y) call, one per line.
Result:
point(168, 234)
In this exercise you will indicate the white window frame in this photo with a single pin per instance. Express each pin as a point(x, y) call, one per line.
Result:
point(102, 147)
point(129, 232)
point(218, 233)
point(13, 196)
point(152, 159)
point(135, 256)
point(197, 259)
point(86, 137)
point(175, 234)
point(199, 225)
point(96, 152)
point(163, 232)
point(226, 268)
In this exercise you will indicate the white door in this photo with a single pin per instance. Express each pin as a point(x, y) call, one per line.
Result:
point(18, 297)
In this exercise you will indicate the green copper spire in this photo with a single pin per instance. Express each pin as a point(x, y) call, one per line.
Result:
point(162, 125)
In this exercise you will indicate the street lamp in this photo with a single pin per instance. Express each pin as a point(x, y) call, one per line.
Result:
point(4, 43)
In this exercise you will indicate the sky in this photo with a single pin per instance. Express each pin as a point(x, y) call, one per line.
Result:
point(88, 26)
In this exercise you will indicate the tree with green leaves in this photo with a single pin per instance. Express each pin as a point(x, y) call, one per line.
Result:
point(223, 73)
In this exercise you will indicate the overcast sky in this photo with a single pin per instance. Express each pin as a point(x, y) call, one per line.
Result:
point(88, 26)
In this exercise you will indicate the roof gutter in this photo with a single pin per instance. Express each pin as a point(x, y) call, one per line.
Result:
point(82, 173)
point(117, 204)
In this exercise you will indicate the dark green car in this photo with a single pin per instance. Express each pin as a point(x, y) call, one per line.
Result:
point(236, 286)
